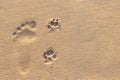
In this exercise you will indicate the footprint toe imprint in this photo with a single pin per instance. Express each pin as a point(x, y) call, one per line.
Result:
point(33, 24)
point(25, 33)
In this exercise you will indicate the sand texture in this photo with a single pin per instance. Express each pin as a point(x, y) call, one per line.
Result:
point(59, 39)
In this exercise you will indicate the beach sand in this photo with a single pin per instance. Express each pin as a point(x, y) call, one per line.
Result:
point(60, 40)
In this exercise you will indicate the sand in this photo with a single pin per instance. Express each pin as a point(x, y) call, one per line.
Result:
point(60, 40)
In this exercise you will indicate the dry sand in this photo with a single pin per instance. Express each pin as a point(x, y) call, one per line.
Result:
point(85, 44)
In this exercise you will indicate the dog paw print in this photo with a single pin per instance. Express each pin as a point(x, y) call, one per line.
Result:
point(53, 25)
point(49, 56)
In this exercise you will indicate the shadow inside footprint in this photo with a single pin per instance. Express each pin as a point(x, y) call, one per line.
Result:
point(25, 36)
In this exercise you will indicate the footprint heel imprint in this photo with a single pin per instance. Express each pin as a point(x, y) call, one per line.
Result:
point(24, 64)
